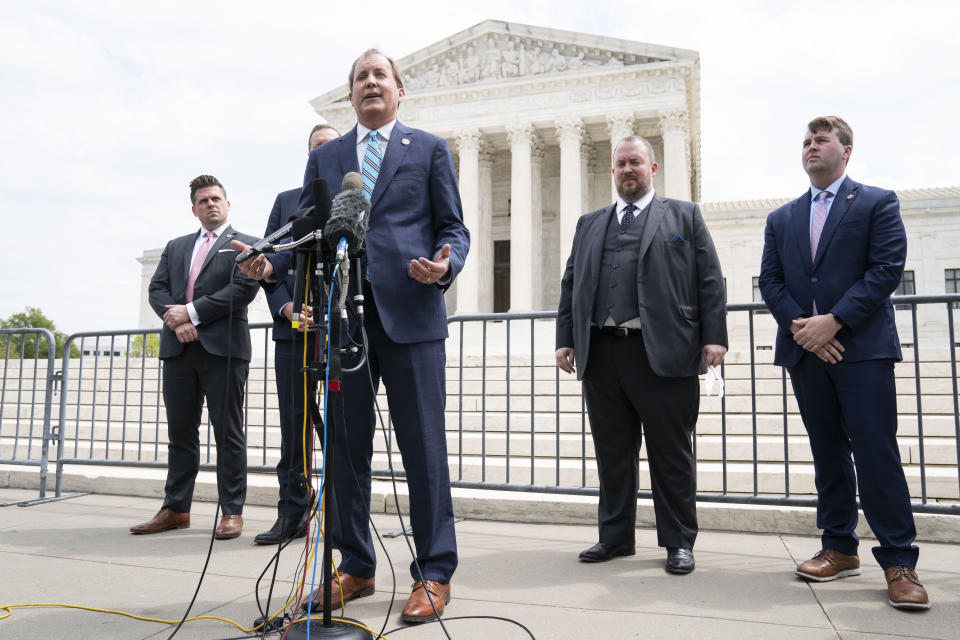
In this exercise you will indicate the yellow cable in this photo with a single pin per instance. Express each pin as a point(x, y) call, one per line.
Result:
point(9, 609)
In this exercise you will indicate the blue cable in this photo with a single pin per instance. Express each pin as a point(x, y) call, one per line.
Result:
point(323, 467)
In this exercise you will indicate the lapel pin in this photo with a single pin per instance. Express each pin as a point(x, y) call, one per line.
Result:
point(849, 196)
point(405, 141)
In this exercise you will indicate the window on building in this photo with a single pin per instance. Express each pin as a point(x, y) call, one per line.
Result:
point(951, 279)
point(907, 287)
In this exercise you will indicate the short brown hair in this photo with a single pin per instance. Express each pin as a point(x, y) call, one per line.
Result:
point(320, 127)
point(202, 182)
point(651, 156)
point(375, 52)
point(835, 124)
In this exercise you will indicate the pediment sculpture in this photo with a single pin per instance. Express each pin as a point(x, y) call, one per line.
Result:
point(500, 57)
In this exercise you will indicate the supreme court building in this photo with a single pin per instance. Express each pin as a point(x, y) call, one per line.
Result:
point(530, 113)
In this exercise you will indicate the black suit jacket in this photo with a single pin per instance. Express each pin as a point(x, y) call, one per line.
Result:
point(219, 289)
point(279, 295)
point(682, 303)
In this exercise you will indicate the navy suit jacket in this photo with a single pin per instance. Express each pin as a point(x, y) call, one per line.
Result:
point(220, 288)
point(415, 211)
point(859, 263)
point(682, 304)
point(278, 296)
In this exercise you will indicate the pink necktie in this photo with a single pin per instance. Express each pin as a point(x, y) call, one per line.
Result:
point(819, 218)
point(198, 263)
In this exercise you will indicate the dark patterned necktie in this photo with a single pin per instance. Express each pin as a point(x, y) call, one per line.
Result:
point(627, 216)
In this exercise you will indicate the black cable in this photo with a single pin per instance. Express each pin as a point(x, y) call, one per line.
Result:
point(353, 471)
point(449, 618)
point(274, 562)
point(396, 501)
point(356, 478)
point(223, 400)
point(305, 425)
point(203, 573)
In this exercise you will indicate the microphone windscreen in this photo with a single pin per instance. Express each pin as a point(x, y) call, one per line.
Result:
point(351, 181)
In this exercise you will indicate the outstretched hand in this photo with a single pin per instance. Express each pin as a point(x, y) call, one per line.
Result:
point(431, 271)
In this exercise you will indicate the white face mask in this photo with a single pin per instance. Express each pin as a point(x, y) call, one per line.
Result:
point(713, 375)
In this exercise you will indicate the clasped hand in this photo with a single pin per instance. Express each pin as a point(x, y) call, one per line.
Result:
point(817, 335)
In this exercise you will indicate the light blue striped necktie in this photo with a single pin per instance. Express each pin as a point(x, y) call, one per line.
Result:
point(372, 159)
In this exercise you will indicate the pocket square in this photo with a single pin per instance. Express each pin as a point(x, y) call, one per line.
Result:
point(677, 238)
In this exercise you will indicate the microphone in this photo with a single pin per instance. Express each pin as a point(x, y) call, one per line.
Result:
point(300, 224)
point(349, 218)
point(266, 245)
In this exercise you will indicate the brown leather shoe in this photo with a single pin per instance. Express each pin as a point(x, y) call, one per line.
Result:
point(351, 586)
point(904, 589)
point(418, 608)
point(829, 564)
point(165, 520)
point(230, 526)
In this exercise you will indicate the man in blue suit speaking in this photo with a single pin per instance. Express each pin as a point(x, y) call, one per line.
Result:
point(830, 261)
point(415, 247)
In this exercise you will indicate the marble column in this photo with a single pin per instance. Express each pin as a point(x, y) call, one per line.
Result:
point(468, 281)
point(587, 162)
point(570, 134)
point(525, 218)
point(675, 127)
point(482, 248)
point(619, 126)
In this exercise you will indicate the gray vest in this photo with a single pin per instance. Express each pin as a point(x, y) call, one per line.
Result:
point(617, 286)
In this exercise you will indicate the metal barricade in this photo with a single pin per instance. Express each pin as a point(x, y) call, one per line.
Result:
point(559, 456)
point(111, 409)
point(25, 429)
point(514, 421)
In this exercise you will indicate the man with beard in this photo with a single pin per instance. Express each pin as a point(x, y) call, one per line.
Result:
point(642, 312)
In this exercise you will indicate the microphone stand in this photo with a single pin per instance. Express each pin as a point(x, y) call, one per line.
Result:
point(326, 627)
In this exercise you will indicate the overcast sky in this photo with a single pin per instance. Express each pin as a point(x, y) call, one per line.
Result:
point(108, 109)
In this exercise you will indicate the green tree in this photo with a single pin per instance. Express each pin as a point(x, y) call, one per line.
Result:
point(152, 349)
point(25, 346)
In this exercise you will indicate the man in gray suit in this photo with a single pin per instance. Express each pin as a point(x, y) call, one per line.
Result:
point(642, 312)
point(205, 349)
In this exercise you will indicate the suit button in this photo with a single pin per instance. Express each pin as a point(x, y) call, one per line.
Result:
point(814, 279)
point(619, 248)
point(613, 284)
point(616, 266)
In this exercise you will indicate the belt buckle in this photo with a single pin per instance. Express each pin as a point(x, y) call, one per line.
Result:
point(623, 331)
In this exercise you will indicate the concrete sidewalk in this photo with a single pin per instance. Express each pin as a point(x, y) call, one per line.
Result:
point(79, 551)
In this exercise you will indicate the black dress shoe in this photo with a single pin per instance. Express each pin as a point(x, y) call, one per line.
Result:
point(282, 530)
point(679, 560)
point(601, 552)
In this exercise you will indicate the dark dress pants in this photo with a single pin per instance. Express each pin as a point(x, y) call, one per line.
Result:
point(625, 401)
point(288, 360)
point(850, 408)
point(187, 380)
point(415, 379)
